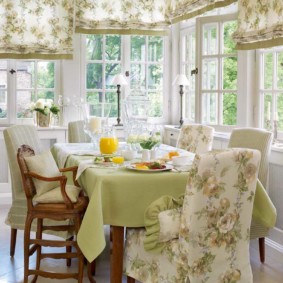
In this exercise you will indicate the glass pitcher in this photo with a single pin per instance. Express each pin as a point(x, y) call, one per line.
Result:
point(108, 143)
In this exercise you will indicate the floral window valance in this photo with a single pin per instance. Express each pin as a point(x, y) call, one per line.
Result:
point(122, 17)
point(260, 24)
point(40, 29)
point(180, 10)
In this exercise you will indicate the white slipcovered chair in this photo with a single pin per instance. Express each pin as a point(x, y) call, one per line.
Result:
point(207, 238)
point(261, 140)
point(196, 138)
point(76, 133)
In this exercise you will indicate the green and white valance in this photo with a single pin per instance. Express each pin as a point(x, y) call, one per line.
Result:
point(180, 10)
point(40, 29)
point(122, 17)
point(260, 24)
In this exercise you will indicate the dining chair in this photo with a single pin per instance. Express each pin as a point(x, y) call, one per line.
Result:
point(204, 237)
point(14, 137)
point(261, 140)
point(49, 197)
point(76, 133)
point(196, 138)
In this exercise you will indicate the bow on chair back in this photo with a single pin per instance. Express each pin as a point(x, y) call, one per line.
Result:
point(196, 138)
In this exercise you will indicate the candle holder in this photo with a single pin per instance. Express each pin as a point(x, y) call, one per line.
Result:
point(275, 130)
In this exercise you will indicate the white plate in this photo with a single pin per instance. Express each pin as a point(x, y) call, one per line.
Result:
point(167, 168)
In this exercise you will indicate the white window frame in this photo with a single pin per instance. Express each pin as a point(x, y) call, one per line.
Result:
point(12, 90)
point(125, 66)
point(220, 19)
point(274, 91)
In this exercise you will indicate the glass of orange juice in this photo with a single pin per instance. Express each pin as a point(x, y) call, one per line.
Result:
point(118, 160)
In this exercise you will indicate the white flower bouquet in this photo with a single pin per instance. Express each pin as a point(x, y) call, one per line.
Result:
point(146, 141)
point(45, 106)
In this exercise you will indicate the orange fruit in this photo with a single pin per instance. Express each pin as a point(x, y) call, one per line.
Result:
point(172, 153)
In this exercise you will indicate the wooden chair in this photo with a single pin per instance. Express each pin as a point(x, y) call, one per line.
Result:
point(65, 208)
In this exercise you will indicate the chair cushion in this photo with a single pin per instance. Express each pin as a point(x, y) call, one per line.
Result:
point(162, 222)
point(43, 164)
point(55, 196)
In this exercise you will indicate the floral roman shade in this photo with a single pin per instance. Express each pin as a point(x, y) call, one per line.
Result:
point(36, 29)
point(185, 9)
point(260, 24)
point(122, 17)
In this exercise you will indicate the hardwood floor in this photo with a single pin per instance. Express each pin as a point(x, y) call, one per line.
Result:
point(11, 269)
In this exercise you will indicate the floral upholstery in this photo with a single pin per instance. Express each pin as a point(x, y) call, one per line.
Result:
point(213, 242)
point(196, 138)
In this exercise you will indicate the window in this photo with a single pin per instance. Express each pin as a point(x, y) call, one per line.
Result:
point(212, 94)
point(141, 57)
point(24, 81)
point(271, 87)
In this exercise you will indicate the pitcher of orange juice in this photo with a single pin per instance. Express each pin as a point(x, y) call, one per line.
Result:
point(108, 142)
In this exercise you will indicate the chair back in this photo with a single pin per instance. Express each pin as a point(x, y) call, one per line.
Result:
point(14, 137)
point(196, 138)
point(76, 132)
point(26, 151)
point(216, 216)
point(255, 139)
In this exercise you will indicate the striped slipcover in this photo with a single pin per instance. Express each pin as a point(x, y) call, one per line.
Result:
point(261, 140)
point(76, 132)
point(14, 137)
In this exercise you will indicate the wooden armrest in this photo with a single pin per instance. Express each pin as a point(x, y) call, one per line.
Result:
point(73, 169)
point(43, 178)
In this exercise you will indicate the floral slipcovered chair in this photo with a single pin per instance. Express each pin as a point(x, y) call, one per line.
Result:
point(207, 238)
point(196, 138)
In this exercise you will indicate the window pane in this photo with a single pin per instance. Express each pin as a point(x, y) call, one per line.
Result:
point(189, 102)
point(111, 97)
point(94, 97)
point(267, 110)
point(94, 76)
point(25, 74)
point(229, 109)
point(94, 45)
point(46, 94)
point(137, 76)
point(268, 70)
point(229, 44)
point(190, 47)
point(110, 71)
point(155, 49)
point(280, 111)
point(138, 48)
point(24, 99)
point(209, 106)
point(155, 76)
point(45, 74)
point(156, 102)
point(3, 104)
point(210, 39)
point(280, 70)
point(230, 73)
point(209, 74)
point(113, 47)
point(3, 89)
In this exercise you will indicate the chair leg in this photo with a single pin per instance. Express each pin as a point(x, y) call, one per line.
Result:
point(13, 241)
point(130, 280)
point(26, 246)
point(261, 243)
point(69, 250)
point(80, 254)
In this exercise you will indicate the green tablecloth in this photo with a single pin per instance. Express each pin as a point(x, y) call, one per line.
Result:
point(120, 196)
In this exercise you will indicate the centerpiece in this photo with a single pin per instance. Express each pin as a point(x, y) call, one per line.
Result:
point(44, 108)
point(146, 140)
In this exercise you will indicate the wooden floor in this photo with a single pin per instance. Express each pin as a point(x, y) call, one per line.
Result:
point(11, 269)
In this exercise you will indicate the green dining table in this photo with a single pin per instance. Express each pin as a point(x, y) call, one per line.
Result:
point(118, 197)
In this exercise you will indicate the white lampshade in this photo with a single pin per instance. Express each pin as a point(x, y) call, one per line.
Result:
point(119, 80)
point(181, 80)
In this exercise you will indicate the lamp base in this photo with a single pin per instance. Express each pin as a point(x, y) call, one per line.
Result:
point(178, 127)
point(117, 125)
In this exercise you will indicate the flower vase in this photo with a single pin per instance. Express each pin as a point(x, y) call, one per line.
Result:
point(42, 120)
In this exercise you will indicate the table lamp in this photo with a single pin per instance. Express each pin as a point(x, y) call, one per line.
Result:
point(181, 80)
point(118, 81)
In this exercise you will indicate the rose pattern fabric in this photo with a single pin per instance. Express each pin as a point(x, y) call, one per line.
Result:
point(213, 243)
point(196, 138)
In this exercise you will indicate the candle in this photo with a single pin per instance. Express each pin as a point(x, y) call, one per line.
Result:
point(94, 124)
point(268, 111)
point(276, 116)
